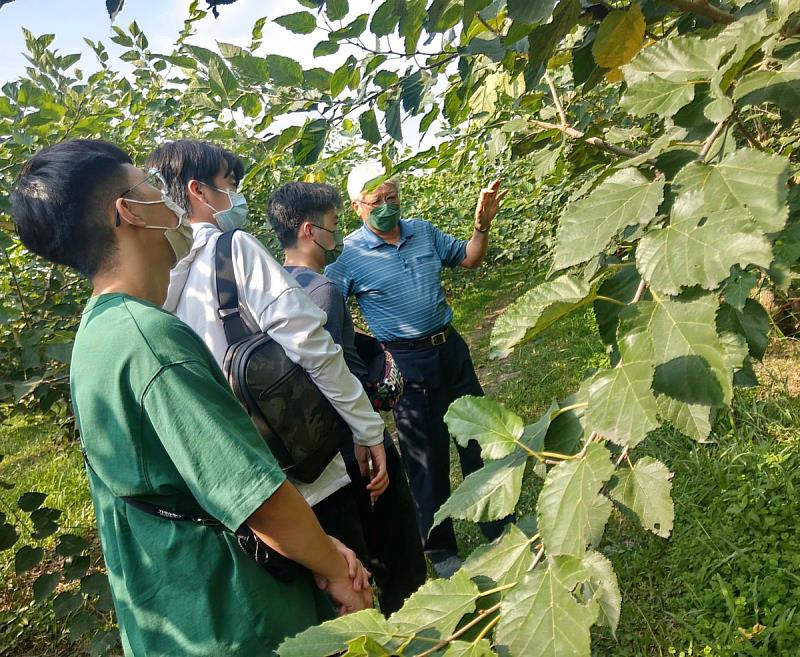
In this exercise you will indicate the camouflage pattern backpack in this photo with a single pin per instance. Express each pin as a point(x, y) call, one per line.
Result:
point(298, 423)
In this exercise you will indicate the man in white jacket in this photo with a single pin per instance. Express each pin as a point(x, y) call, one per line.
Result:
point(203, 178)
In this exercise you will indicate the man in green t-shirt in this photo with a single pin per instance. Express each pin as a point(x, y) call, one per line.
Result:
point(159, 425)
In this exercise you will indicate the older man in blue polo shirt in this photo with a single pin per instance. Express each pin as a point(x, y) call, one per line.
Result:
point(392, 266)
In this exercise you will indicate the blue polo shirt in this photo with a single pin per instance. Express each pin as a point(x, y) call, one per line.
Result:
point(398, 286)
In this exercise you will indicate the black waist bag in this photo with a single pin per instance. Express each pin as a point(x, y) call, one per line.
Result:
point(298, 423)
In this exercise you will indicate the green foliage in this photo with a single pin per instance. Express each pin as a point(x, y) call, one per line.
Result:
point(673, 204)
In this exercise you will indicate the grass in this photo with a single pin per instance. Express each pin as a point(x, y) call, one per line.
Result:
point(39, 457)
point(725, 584)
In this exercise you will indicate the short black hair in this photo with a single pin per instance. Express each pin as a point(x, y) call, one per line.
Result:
point(188, 159)
point(62, 199)
point(296, 202)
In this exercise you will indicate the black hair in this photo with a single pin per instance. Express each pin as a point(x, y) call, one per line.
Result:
point(62, 202)
point(296, 202)
point(187, 159)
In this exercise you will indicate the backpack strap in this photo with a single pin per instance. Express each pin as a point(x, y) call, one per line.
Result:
point(227, 294)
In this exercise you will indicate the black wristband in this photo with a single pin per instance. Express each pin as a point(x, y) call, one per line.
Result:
point(482, 230)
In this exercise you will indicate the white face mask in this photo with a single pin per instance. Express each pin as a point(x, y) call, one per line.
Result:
point(180, 236)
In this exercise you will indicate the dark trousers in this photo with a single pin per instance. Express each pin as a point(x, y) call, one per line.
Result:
point(384, 538)
point(434, 378)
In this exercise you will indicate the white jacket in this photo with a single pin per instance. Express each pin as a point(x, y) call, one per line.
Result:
point(270, 298)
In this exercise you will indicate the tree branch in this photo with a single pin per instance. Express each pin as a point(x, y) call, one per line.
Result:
point(556, 99)
point(594, 141)
point(703, 8)
point(708, 143)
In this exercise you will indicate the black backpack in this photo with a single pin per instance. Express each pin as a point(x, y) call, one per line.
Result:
point(298, 423)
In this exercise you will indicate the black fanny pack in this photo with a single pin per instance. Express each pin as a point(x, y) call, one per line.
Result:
point(280, 567)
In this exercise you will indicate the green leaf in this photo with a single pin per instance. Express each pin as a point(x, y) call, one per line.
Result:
point(567, 501)
point(369, 127)
point(588, 224)
point(504, 561)
point(31, 501)
point(363, 646)
point(529, 12)
point(324, 48)
point(622, 407)
point(428, 119)
point(490, 493)
point(678, 59)
point(752, 323)
point(330, 637)
point(386, 79)
point(392, 120)
point(492, 425)
point(468, 649)
point(603, 586)
point(533, 436)
point(737, 287)
point(352, 30)
point(311, 142)
point(44, 585)
point(689, 251)
point(385, 19)
point(412, 18)
point(336, 10)
point(301, 22)
point(95, 584)
point(541, 618)
point(487, 44)
point(746, 179)
point(692, 420)
point(645, 490)
point(66, 602)
point(318, 78)
point(340, 78)
point(76, 567)
point(678, 336)
point(619, 37)
point(411, 88)
point(82, 623)
point(103, 642)
point(284, 71)
point(543, 39)
point(781, 88)
point(565, 433)
point(621, 287)
point(598, 519)
point(27, 557)
point(537, 309)
point(8, 536)
point(437, 605)
point(656, 96)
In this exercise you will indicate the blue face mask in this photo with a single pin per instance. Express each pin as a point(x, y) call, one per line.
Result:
point(235, 216)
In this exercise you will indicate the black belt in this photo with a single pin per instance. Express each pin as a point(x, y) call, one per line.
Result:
point(434, 340)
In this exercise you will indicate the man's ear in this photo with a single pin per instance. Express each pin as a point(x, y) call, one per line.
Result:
point(305, 229)
point(196, 191)
point(128, 212)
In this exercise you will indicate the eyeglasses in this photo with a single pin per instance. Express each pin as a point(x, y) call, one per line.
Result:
point(154, 179)
point(391, 199)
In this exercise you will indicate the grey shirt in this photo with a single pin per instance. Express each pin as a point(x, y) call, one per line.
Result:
point(325, 294)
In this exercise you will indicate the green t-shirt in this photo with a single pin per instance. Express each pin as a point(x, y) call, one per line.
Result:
point(158, 422)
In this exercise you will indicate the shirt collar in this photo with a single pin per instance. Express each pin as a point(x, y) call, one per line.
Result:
point(374, 241)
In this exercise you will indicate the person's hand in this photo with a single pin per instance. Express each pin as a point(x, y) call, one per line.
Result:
point(379, 477)
point(351, 592)
point(355, 569)
point(488, 204)
point(346, 599)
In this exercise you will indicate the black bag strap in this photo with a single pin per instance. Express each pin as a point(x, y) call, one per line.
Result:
point(177, 516)
point(227, 294)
